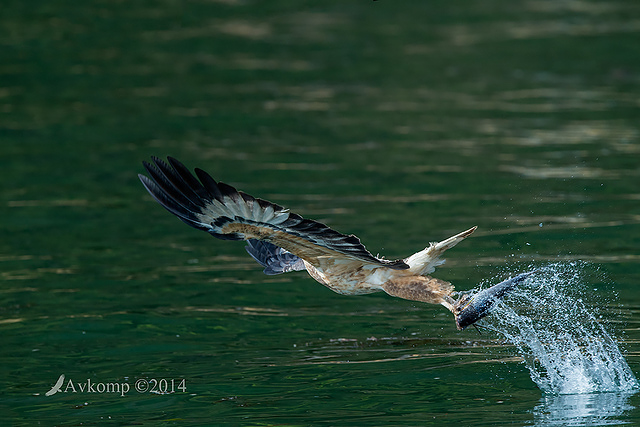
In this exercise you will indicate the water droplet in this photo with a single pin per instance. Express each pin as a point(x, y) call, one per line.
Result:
point(564, 346)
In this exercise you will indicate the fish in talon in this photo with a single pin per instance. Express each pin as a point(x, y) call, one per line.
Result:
point(471, 308)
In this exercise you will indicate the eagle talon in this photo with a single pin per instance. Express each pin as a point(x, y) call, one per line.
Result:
point(471, 308)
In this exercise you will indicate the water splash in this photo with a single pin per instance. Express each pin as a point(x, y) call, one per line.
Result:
point(564, 346)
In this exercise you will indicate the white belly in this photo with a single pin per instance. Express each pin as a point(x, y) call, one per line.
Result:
point(364, 280)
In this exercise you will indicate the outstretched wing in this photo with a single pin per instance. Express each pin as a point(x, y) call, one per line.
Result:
point(274, 259)
point(229, 214)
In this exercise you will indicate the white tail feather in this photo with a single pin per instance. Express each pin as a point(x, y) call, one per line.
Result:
point(426, 261)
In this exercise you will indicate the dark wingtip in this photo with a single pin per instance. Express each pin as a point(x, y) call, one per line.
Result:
point(399, 265)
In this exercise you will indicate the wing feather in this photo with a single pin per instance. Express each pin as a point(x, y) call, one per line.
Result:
point(274, 259)
point(229, 214)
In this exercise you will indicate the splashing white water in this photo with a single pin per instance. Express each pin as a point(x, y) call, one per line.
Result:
point(565, 348)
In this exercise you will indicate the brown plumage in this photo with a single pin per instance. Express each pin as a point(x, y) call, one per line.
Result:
point(282, 241)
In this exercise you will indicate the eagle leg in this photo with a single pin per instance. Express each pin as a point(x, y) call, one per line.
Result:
point(421, 288)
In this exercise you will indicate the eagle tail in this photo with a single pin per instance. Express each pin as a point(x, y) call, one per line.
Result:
point(425, 261)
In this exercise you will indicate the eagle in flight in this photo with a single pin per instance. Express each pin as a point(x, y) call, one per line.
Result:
point(282, 241)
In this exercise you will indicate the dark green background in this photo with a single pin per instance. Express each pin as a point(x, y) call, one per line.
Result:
point(401, 122)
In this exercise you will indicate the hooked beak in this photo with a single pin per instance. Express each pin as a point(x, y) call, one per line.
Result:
point(471, 308)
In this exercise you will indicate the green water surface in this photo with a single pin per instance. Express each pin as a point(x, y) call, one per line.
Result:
point(400, 122)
